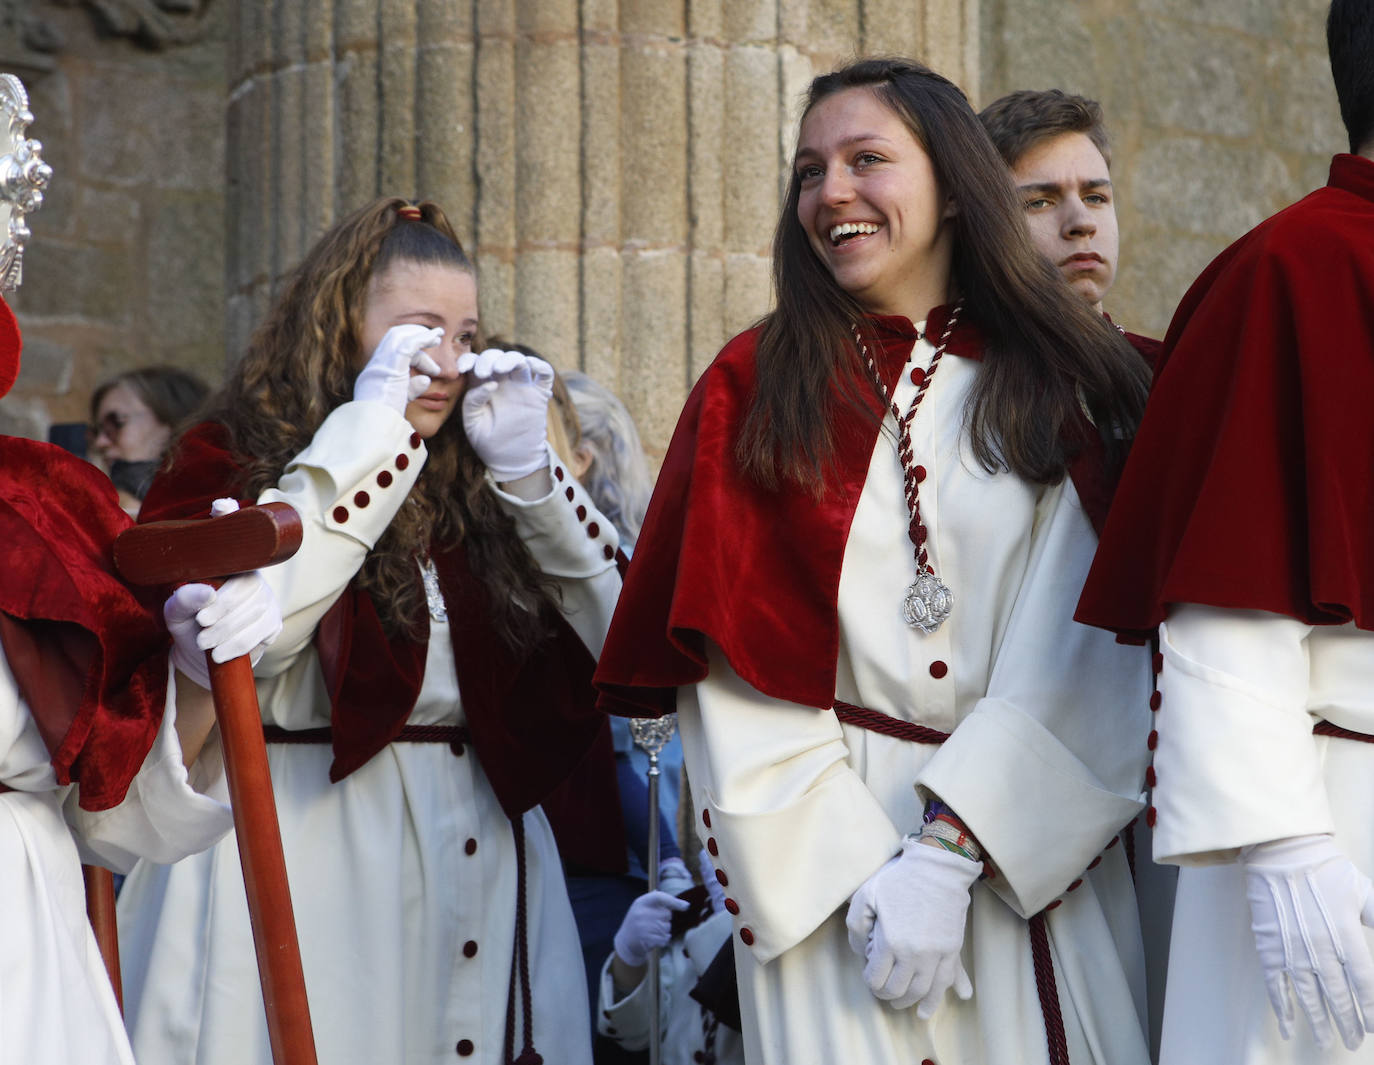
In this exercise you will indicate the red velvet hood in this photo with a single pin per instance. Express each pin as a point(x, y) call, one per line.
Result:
point(89, 658)
point(531, 723)
point(1251, 482)
point(757, 573)
point(9, 347)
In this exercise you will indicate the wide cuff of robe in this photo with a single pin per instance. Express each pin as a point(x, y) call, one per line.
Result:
point(362, 463)
point(1232, 768)
point(1059, 817)
point(563, 530)
point(164, 817)
point(626, 1020)
point(785, 891)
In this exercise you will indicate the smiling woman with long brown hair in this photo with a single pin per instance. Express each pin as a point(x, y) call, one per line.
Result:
point(432, 683)
point(856, 583)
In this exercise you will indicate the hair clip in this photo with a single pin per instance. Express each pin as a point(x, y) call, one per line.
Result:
point(409, 212)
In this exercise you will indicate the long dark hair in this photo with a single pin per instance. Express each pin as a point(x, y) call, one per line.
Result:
point(1046, 351)
point(301, 363)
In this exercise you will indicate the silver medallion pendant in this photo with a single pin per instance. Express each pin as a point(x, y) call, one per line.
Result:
point(434, 597)
point(928, 603)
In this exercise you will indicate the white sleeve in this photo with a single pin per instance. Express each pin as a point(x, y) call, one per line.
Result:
point(1236, 763)
point(574, 543)
point(167, 814)
point(347, 485)
point(792, 826)
point(1049, 765)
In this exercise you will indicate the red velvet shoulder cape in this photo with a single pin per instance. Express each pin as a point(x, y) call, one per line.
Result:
point(90, 659)
point(531, 723)
point(1251, 481)
point(757, 573)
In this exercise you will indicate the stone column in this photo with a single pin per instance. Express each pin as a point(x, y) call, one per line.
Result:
point(616, 165)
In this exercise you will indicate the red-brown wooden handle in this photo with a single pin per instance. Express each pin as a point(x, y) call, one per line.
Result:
point(170, 552)
point(100, 908)
point(264, 864)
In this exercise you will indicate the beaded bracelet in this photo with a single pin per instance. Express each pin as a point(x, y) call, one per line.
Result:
point(942, 825)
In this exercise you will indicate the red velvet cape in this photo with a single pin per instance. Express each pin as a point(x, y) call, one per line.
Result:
point(1251, 481)
point(9, 348)
point(89, 658)
point(757, 573)
point(531, 722)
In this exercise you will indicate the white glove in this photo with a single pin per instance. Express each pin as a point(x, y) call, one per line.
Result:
point(1307, 905)
point(708, 877)
point(387, 378)
point(648, 924)
point(907, 920)
point(505, 414)
point(242, 618)
point(673, 876)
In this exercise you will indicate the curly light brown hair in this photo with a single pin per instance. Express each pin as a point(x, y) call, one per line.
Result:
point(301, 364)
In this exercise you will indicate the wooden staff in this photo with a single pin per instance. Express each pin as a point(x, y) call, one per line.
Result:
point(173, 552)
point(100, 908)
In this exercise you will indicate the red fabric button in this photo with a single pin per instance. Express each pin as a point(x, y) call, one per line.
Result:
point(1150, 776)
point(917, 376)
point(1076, 884)
point(927, 1061)
point(1054, 905)
point(1153, 741)
point(414, 440)
point(470, 948)
point(558, 472)
point(470, 847)
point(609, 552)
point(711, 846)
point(706, 818)
point(731, 907)
point(746, 937)
point(464, 1048)
point(402, 461)
point(457, 748)
point(581, 512)
point(1157, 662)
point(721, 878)
point(1150, 816)
point(593, 530)
point(569, 493)
point(384, 479)
point(361, 499)
point(920, 474)
point(341, 514)
point(1155, 700)
point(1095, 862)
point(938, 669)
point(1109, 846)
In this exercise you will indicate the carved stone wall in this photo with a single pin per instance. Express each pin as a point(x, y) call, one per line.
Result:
point(126, 266)
point(1220, 114)
point(615, 164)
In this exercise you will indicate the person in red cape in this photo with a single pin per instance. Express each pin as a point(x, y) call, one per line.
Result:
point(1060, 157)
point(1244, 530)
point(431, 687)
point(89, 760)
point(855, 583)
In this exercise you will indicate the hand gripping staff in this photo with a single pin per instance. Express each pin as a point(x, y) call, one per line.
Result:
point(174, 552)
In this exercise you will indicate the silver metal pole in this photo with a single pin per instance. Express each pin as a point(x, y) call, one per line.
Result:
point(651, 735)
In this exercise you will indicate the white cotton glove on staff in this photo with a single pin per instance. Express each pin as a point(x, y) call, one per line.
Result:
point(505, 411)
point(387, 378)
point(240, 618)
point(908, 921)
point(1309, 907)
point(648, 924)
